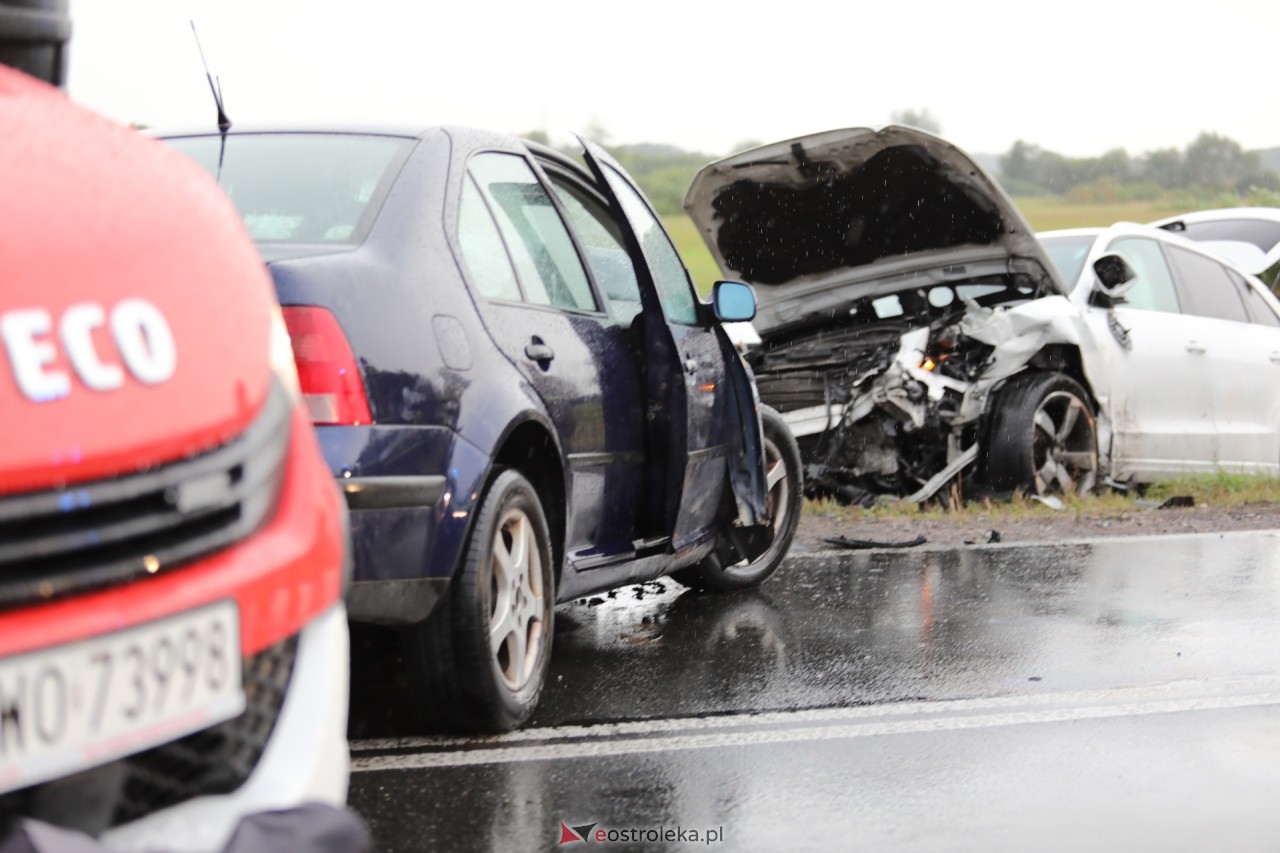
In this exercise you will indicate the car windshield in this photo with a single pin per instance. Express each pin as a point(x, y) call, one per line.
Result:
point(301, 187)
point(1068, 254)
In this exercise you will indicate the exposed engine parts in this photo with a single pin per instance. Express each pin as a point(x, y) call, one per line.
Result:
point(886, 406)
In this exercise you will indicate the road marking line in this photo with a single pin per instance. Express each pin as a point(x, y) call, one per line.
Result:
point(508, 748)
point(1177, 689)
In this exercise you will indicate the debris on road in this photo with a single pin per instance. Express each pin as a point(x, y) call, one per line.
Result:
point(863, 544)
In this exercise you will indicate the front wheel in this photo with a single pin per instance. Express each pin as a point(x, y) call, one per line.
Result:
point(482, 657)
point(1042, 437)
point(784, 481)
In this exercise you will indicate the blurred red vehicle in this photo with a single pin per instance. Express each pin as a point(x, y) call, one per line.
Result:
point(173, 643)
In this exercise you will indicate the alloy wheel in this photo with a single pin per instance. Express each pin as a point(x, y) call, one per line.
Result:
point(778, 485)
point(517, 619)
point(1064, 446)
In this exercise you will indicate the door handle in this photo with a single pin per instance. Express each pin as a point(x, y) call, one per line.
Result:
point(1195, 348)
point(538, 351)
point(1275, 357)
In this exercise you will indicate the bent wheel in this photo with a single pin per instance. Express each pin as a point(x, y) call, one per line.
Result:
point(482, 656)
point(1043, 437)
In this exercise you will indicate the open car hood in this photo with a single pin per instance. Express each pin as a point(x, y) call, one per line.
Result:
point(821, 220)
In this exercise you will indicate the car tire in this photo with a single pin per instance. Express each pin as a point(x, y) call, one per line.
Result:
point(784, 476)
point(481, 659)
point(1042, 437)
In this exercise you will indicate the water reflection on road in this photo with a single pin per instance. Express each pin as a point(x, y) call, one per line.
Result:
point(893, 698)
point(893, 625)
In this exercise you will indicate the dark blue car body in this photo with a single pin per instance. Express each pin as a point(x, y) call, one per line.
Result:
point(616, 392)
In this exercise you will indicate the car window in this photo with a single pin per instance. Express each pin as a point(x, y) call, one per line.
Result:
point(1068, 254)
point(482, 249)
point(1262, 233)
point(601, 241)
point(546, 260)
point(668, 270)
point(1153, 288)
point(1254, 305)
point(1204, 288)
point(301, 187)
point(1271, 276)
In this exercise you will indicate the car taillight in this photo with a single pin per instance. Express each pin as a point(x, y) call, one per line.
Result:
point(331, 386)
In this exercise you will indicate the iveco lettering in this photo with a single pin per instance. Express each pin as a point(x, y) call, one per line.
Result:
point(141, 340)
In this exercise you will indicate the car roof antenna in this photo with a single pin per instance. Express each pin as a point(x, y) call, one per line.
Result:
point(224, 123)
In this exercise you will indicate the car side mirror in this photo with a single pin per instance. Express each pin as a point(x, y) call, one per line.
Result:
point(733, 302)
point(1115, 276)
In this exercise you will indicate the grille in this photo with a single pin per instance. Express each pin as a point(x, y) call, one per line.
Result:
point(84, 537)
point(823, 367)
point(216, 760)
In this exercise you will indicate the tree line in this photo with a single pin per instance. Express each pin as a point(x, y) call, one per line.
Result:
point(1210, 165)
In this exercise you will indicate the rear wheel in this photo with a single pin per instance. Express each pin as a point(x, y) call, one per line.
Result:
point(1042, 437)
point(784, 476)
point(481, 659)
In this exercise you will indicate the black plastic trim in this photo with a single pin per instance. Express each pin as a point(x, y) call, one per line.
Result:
point(92, 535)
point(405, 492)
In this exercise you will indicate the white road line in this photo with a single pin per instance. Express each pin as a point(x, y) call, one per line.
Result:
point(966, 714)
point(1176, 689)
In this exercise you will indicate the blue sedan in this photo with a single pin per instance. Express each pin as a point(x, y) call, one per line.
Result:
point(516, 387)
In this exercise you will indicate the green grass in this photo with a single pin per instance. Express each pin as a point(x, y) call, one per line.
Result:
point(1221, 488)
point(1049, 213)
point(702, 267)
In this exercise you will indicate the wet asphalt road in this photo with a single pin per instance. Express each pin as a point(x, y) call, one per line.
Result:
point(1120, 695)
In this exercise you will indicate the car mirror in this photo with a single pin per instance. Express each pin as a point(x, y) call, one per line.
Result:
point(733, 301)
point(1115, 276)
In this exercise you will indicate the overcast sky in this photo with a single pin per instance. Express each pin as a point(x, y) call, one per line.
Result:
point(1077, 77)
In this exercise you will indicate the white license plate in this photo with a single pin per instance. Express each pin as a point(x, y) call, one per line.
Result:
point(75, 706)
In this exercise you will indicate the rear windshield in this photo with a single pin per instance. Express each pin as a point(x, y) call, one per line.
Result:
point(1068, 254)
point(1260, 232)
point(301, 187)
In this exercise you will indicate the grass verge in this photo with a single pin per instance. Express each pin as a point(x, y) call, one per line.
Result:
point(1221, 488)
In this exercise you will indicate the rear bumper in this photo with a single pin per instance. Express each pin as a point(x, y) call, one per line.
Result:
point(306, 759)
point(393, 520)
point(408, 522)
point(395, 602)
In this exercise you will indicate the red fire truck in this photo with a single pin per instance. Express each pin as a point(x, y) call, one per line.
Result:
point(173, 645)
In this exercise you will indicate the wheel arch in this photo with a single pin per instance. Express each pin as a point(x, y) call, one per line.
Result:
point(1053, 358)
point(1065, 359)
point(1012, 405)
point(1068, 360)
point(531, 448)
